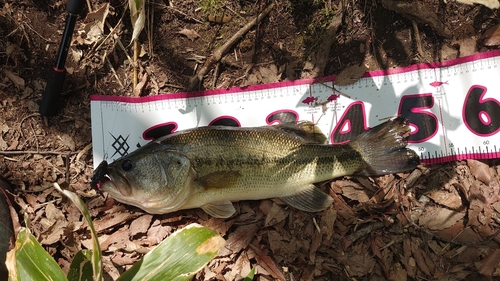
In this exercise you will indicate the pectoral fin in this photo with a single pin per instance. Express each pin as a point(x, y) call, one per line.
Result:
point(222, 209)
point(309, 199)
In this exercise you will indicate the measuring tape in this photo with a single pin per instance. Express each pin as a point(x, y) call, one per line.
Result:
point(453, 108)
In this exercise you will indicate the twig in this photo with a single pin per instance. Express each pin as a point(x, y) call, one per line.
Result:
point(114, 72)
point(16, 152)
point(135, 65)
point(195, 80)
point(418, 41)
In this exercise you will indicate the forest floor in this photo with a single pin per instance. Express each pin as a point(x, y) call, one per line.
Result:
point(438, 222)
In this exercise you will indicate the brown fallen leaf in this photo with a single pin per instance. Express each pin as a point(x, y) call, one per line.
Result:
point(54, 224)
point(350, 74)
point(189, 33)
point(117, 240)
point(140, 224)
point(239, 239)
point(157, 232)
point(439, 218)
point(491, 36)
point(18, 81)
point(488, 265)
point(276, 215)
point(240, 269)
point(267, 263)
point(492, 4)
point(448, 198)
point(480, 170)
point(355, 192)
point(111, 220)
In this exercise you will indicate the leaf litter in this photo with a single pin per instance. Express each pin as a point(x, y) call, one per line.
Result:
point(437, 222)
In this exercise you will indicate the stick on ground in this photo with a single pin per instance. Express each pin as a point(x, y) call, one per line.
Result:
point(196, 80)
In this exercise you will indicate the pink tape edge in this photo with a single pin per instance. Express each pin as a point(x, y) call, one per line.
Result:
point(375, 73)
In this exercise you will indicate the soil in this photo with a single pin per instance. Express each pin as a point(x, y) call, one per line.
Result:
point(394, 227)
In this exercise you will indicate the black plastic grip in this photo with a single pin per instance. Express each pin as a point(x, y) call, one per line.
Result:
point(50, 99)
point(75, 7)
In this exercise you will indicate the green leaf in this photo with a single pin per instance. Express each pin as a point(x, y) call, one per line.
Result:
point(81, 267)
point(137, 16)
point(29, 261)
point(250, 275)
point(96, 253)
point(178, 257)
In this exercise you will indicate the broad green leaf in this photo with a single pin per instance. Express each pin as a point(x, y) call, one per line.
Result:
point(250, 275)
point(137, 16)
point(96, 251)
point(81, 267)
point(29, 261)
point(178, 257)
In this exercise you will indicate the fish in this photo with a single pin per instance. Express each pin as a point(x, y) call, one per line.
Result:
point(212, 167)
point(438, 83)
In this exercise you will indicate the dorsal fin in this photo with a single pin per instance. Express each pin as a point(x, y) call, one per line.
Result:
point(305, 130)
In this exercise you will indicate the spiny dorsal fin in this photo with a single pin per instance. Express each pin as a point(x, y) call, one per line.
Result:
point(223, 209)
point(306, 130)
point(309, 199)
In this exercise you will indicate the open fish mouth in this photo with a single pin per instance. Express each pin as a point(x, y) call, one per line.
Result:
point(100, 175)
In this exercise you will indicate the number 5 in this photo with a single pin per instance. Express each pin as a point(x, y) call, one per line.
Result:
point(424, 123)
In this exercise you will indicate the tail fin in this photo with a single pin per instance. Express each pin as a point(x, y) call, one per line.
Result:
point(384, 150)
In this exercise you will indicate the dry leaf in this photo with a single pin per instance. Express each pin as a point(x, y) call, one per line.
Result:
point(488, 265)
point(355, 192)
point(491, 36)
point(439, 218)
point(140, 225)
point(350, 74)
point(492, 4)
point(18, 81)
point(269, 74)
point(157, 232)
point(67, 141)
point(93, 29)
point(276, 215)
point(239, 239)
point(480, 170)
point(111, 220)
point(189, 33)
point(450, 199)
point(54, 223)
point(117, 240)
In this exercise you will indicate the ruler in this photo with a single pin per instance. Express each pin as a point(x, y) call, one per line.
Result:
point(453, 108)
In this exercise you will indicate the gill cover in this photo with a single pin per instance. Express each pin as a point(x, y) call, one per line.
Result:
point(154, 178)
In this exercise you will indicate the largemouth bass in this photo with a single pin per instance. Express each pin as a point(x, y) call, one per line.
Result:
point(211, 167)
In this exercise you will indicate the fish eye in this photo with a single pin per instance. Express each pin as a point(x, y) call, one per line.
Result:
point(127, 165)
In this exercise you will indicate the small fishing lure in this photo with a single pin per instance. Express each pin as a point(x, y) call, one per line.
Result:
point(99, 173)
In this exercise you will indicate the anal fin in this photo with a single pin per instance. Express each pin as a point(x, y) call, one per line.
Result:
point(221, 209)
point(309, 199)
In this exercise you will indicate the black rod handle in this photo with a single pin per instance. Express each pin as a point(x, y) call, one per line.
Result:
point(50, 100)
